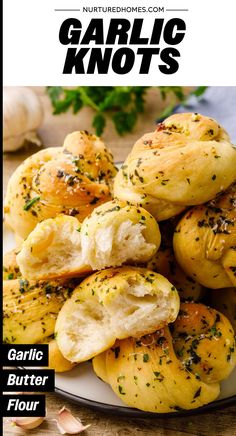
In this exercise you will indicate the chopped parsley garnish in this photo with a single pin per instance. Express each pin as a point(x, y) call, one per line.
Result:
point(121, 390)
point(197, 393)
point(30, 203)
point(10, 276)
point(145, 357)
point(23, 285)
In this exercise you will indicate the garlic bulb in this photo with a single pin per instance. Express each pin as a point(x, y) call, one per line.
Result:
point(22, 115)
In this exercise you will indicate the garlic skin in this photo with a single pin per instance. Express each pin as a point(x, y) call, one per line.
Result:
point(27, 423)
point(68, 424)
point(22, 115)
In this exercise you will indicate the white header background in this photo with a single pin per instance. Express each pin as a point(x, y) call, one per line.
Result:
point(34, 56)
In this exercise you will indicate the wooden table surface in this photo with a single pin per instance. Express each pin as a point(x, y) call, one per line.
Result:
point(55, 128)
point(218, 423)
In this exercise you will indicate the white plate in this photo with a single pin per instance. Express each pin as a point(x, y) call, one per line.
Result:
point(82, 385)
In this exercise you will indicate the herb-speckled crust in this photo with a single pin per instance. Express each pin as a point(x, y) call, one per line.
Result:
point(186, 161)
point(224, 300)
point(30, 309)
point(158, 373)
point(164, 262)
point(204, 341)
point(205, 242)
point(10, 267)
point(72, 180)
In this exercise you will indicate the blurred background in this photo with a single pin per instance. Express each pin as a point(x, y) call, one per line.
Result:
point(119, 114)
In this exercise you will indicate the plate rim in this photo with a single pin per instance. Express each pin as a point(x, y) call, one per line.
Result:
point(137, 413)
point(133, 412)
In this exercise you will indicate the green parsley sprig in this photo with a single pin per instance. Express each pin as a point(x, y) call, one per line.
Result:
point(120, 103)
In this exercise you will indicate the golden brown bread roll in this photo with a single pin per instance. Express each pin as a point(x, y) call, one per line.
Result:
point(30, 309)
point(186, 161)
point(224, 300)
point(204, 341)
point(134, 373)
point(110, 304)
point(56, 360)
point(11, 272)
point(72, 180)
point(205, 242)
point(115, 233)
point(11, 268)
point(165, 263)
point(99, 363)
point(160, 373)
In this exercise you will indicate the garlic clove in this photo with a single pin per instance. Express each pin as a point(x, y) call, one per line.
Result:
point(27, 423)
point(67, 423)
